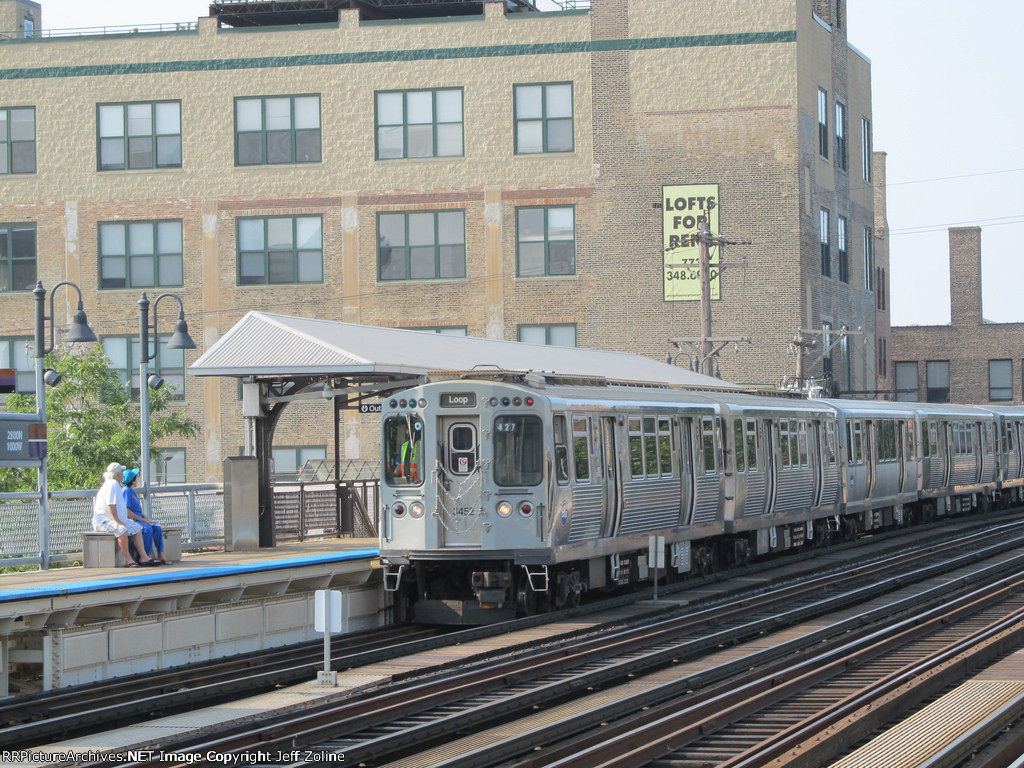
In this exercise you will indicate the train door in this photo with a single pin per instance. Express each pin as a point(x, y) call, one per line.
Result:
point(609, 461)
point(1018, 426)
point(901, 442)
point(946, 447)
point(768, 439)
point(459, 486)
point(817, 459)
point(683, 438)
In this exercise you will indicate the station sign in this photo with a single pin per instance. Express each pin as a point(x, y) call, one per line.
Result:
point(371, 407)
point(22, 440)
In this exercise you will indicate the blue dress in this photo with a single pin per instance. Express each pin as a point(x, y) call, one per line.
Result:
point(152, 533)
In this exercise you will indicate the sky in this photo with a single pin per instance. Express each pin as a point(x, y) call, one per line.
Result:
point(947, 110)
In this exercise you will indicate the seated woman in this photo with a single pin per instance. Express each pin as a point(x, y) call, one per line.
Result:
point(109, 514)
point(152, 533)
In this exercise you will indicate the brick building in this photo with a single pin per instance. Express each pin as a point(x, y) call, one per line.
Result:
point(506, 173)
point(970, 360)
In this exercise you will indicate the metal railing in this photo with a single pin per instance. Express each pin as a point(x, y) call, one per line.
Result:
point(198, 509)
point(317, 508)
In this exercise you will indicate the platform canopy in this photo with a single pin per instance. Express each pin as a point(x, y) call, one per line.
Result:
point(264, 345)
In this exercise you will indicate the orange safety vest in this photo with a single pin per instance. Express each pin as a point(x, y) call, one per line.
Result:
point(408, 465)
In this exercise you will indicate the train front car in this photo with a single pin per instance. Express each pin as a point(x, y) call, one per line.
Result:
point(463, 500)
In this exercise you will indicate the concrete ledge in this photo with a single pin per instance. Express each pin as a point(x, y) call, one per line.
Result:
point(100, 550)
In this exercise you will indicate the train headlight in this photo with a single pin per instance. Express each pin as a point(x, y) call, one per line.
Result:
point(504, 508)
point(416, 509)
point(526, 508)
point(398, 509)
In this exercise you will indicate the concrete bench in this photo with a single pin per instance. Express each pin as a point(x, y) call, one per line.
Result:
point(100, 550)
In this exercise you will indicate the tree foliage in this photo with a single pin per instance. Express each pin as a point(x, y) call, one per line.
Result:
point(92, 420)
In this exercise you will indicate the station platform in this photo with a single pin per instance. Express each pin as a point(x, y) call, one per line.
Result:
point(68, 626)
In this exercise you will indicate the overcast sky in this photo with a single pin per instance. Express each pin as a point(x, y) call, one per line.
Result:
point(948, 111)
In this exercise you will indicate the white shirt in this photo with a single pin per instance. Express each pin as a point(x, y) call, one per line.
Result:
point(108, 494)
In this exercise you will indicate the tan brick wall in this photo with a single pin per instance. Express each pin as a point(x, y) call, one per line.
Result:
point(967, 342)
point(741, 112)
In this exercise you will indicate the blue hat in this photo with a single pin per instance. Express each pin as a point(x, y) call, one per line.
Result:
point(129, 476)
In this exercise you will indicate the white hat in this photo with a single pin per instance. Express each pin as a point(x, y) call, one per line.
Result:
point(113, 468)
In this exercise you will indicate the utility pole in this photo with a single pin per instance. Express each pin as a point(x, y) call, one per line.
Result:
point(806, 339)
point(705, 344)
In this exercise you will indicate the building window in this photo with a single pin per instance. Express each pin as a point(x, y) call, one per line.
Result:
point(937, 381)
point(17, 257)
point(823, 137)
point(17, 140)
point(544, 118)
point(1000, 380)
point(865, 144)
point(425, 245)
point(290, 459)
point(277, 250)
point(169, 468)
point(883, 358)
point(271, 130)
point(880, 289)
point(826, 250)
point(123, 353)
point(906, 381)
point(555, 335)
point(844, 262)
point(140, 254)
point(419, 124)
point(826, 345)
point(18, 352)
point(28, 28)
point(139, 135)
point(442, 330)
point(546, 241)
point(869, 259)
point(841, 152)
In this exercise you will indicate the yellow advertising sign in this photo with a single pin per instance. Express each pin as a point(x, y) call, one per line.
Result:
point(681, 207)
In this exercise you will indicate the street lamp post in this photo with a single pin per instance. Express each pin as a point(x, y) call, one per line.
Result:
point(179, 340)
point(79, 331)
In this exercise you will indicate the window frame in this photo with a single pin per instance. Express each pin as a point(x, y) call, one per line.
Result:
point(434, 123)
point(548, 327)
point(25, 376)
point(128, 257)
point(125, 137)
point(866, 170)
point(295, 252)
point(544, 120)
point(869, 259)
point(547, 239)
point(842, 141)
point(293, 131)
point(824, 237)
point(8, 259)
point(823, 137)
point(841, 249)
point(8, 143)
point(1005, 390)
point(929, 389)
point(406, 247)
point(129, 374)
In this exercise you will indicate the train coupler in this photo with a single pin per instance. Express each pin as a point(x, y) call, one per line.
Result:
point(491, 587)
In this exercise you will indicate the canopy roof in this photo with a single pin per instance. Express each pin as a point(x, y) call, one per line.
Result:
point(267, 345)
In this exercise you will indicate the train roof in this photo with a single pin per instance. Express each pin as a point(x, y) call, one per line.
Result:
point(264, 344)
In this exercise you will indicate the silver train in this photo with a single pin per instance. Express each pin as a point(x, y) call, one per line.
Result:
point(515, 493)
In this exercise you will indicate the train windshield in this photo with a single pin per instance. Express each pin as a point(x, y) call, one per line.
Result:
point(518, 450)
point(403, 444)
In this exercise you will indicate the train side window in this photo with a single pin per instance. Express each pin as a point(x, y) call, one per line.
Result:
point(636, 448)
point(856, 449)
point(911, 448)
point(580, 448)
point(784, 441)
point(665, 446)
point(461, 449)
point(933, 437)
point(561, 450)
point(751, 442)
point(708, 435)
point(830, 443)
point(737, 441)
point(802, 443)
point(650, 446)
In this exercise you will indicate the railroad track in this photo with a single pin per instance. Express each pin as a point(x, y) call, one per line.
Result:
point(557, 693)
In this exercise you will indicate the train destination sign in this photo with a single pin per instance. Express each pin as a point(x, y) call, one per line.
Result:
point(458, 399)
point(681, 207)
